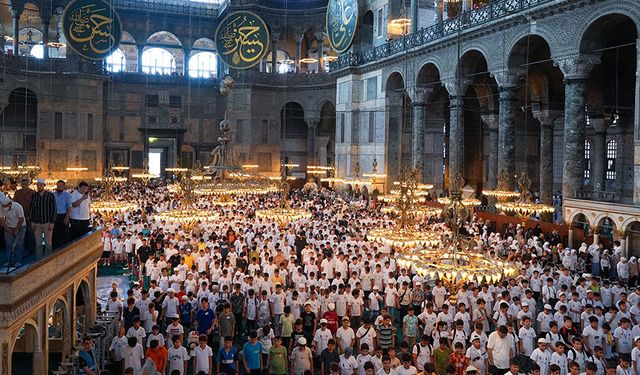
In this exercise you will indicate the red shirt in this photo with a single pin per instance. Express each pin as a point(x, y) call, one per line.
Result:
point(332, 321)
point(460, 362)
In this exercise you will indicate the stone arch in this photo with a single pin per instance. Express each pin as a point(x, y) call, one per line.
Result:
point(625, 8)
point(365, 30)
point(84, 306)
point(606, 227)
point(474, 51)
point(27, 341)
point(20, 121)
point(632, 234)
point(204, 44)
point(58, 331)
point(130, 49)
point(293, 134)
point(169, 42)
point(478, 91)
point(579, 219)
point(326, 134)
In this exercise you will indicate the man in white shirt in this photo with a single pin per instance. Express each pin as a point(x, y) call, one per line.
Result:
point(12, 218)
point(499, 349)
point(202, 356)
point(322, 337)
point(80, 210)
point(178, 357)
point(345, 335)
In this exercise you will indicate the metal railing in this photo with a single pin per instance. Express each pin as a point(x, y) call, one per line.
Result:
point(186, 8)
point(494, 11)
point(598, 195)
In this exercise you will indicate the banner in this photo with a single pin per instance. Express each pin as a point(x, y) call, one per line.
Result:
point(342, 21)
point(92, 28)
point(242, 40)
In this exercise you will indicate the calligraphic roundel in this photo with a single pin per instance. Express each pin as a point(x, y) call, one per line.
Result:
point(342, 21)
point(92, 28)
point(242, 40)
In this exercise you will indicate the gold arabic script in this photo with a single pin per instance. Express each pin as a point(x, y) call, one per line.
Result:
point(91, 29)
point(243, 40)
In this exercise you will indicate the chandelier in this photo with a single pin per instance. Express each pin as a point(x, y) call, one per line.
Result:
point(145, 175)
point(524, 207)
point(457, 264)
point(284, 214)
point(502, 192)
point(187, 215)
point(108, 207)
point(404, 236)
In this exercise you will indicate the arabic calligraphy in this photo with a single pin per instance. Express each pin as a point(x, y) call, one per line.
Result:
point(92, 28)
point(242, 40)
point(342, 20)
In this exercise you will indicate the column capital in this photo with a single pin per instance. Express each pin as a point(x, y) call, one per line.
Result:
point(547, 117)
point(576, 66)
point(491, 120)
point(599, 125)
point(507, 79)
point(419, 95)
point(312, 122)
point(16, 8)
point(455, 86)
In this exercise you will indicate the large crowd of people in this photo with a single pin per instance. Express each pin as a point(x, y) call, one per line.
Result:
point(240, 295)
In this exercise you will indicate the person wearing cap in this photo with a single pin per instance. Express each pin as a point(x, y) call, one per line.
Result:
point(301, 358)
point(545, 317)
point(331, 317)
point(175, 328)
point(373, 301)
point(348, 363)
point(541, 356)
point(321, 337)
point(345, 335)
point(42, 216)
point(13, 221)
point(169, 306)
point(477, 354)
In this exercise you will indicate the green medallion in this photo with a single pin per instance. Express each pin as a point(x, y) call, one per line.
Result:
point(92, 28)
point(342, 21)
point(242, 40)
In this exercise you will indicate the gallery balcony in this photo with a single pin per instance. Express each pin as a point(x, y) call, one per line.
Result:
point(493, 12)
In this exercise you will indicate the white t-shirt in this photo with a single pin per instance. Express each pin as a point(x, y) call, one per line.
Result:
point(501, 350)
point(202, 358)
point(133, 357)
point(322, 338)
point(401, 370)
point(117, 346)
point(348, 365)
point(345, 336)
point(80, 212)
point(177, 358)
point(13, 214)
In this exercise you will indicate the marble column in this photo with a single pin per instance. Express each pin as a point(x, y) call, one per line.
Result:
point(598, 154)
point(491, 122)
point(312, 124)
point(45, 39)
point(417, 149)
point(140, 51)
point(298, 54)
point(575, 69)
point(15, 16)
point(185, 64)
point(456, 88)
point(636, 137)
point(546, 119)
point(274, 56)
point(320, 40)
point(507, 82)
point(414, 15)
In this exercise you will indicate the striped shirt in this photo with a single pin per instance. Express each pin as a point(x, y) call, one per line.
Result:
point(385, 335)
point(43, 208)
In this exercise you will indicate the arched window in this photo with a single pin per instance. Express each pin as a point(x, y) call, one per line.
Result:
point(37, 51)
point(612, 154)
point(158, 61)
point(587, 159)
point(203, 65)
point(116, 62)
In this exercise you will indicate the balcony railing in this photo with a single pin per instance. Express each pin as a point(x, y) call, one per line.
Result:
point(186, 8)
point(494, 11)
point(601, 196)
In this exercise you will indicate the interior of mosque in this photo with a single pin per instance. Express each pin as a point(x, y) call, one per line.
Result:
point(528, 110)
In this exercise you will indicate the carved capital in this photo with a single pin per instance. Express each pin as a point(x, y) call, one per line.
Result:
point(312, 122)
point(491, 121)
point(508, 78)
point(420, 94)
point(599, 125)
point(576, 66)
point(455, 86)
point(547, 117)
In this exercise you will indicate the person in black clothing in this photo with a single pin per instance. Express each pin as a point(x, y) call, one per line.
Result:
point(328, 356)
point(130, 313)
point(143, 252)
point(308, 322)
